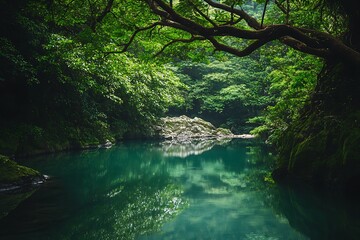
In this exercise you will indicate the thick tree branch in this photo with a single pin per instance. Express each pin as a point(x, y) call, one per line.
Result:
point(340, 49)
point(267, 34)
point(240, 53)
point(300, 46)
point(273, 32)
point(174, 16)
point(308, 41)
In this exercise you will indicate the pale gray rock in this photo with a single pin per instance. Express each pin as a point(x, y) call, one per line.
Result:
point(184, 128)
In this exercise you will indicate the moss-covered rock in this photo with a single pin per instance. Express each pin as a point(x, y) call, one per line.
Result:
point(14, 175)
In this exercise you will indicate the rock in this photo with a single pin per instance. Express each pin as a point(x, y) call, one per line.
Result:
point(14, 176)
point(184, 128)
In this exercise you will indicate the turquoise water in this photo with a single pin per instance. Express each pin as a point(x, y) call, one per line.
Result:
point(152, 190)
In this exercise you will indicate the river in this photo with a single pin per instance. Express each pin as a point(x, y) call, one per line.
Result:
point(153, 190)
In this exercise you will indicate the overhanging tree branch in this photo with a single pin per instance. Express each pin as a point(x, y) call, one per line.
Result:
point(240, 53)
point(300, 46)
point(308, 41)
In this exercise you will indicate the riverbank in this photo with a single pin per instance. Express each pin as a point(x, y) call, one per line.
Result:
point(14, 176)
point(175, 129)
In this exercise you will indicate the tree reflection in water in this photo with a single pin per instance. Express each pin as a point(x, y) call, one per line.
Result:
point(212, 190)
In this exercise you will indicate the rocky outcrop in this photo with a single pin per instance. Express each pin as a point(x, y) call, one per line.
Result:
point(184, 128)
point(14, 176)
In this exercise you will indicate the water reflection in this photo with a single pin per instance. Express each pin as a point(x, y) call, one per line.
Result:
point(318, 214)
point(141, 191)
point(183, 149)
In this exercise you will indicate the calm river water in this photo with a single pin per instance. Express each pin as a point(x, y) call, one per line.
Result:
point(152, 190)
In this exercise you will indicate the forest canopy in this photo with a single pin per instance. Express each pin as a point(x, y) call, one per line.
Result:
point(309, 26)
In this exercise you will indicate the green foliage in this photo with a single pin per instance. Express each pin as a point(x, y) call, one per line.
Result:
point(242, 93)
point(317, 15)
point(58, 80)
point(226, 91)
point(292, 80)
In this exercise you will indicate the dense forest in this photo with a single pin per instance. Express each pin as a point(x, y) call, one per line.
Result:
point(75, 74)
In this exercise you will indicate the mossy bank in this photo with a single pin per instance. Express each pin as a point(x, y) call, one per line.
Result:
point(14, 176)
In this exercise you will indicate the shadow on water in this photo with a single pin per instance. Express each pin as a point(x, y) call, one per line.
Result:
point(10, 201)
point(152, 190)
point(318, 214)
point(35, 213)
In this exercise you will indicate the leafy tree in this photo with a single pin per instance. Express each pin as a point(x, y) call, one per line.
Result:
point(59, 89)
point(227, 91)
point(292, 80)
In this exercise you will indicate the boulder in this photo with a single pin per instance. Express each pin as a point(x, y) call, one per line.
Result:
point(184, 128)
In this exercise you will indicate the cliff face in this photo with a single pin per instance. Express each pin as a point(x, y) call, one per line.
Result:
point(323, 145)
